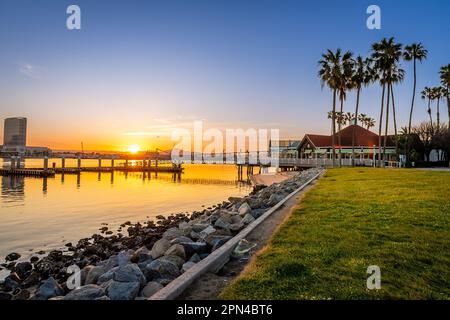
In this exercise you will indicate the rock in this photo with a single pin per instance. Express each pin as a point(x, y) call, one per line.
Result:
point(5, 296)
point(180, 239)
point(159, 248)
point(219, 241)
point(187, 266)
point(194, 235)
point(31, 280)
point(244, 209)
point(195, 258)
point(235, 219)
point(87, 292)
point(57, 298)
point(176, 250)
point(151, 288)
point(48, 289)
point(248, 219)
point(93, 274)
point(176, 260)
point(23, 294)
point(23, 269)
point(123, 258)
point(274, 199)
point(10, 284)
point(199, 227)
point(107, 276)
point(185, 228)
point(112, 262)
point(13, 256)
point(234, 200)
point(194, 247)
point(212, 239)
point(206, 232)
point(161, 268)
point(102, 298)
point(129, 273)
point(235, 227)
point(220, 223)
point(84, 272)
point(142, 254)
point(34, 259)
point(123, 290)
point(171, 233)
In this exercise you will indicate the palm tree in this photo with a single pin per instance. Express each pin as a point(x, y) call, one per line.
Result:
point(362, 76)
point(366, 121)
point(438, 93)
point(445, 81)
point(428, 94)
point(414, 52)
point(331, 74)
point(386, 55)
point(397, 77)
point(345, 84)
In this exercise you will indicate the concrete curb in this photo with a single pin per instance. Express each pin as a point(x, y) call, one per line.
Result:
point(219, 257)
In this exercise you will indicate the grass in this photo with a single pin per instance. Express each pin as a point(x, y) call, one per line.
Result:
point(396, 219)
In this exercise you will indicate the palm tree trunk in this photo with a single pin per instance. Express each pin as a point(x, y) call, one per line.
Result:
point(380, 124)
point(333, 126)
point(413, 97)
point(438, 115)
point(393, 111)
point(387, 123)
point(429, 113)
point(354, 127)
point(339, 132)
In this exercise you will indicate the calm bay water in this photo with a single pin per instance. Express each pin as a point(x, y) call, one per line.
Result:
point(44, 214)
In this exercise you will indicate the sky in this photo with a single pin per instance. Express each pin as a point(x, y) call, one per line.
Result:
point(139, 69)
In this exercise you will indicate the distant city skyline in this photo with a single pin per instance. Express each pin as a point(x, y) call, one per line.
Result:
point(137, 70)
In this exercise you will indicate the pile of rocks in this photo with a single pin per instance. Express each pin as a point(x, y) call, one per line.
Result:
point(136, 266)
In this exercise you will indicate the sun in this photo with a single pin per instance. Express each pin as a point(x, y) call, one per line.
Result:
point(133, 149)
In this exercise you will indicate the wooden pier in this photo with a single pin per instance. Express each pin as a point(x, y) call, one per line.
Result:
point(27, 172)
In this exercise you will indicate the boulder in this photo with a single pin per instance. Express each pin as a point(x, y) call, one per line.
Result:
point(236, 227)
point(194, 247)
point(23, 269)
point(151, 288)
point(248, 219)
point(206, 232)
point(123, 258)
point(129, 273)
point(94, 273)
point(107, 276)
point(122, 290)
point(176, 250)
point(199, 227)
point(13, 256)
point(171, 233)
point(187, 266)
point(5, 296)
point(274, 199)
point(176, 260)
point(161, 268)
point(87, 292)
point(140, 255)
point(180, 239)
point(10, 284)
point(195, 258)
point(235, 219)
point(220, 223)
point(244, 209)
point(185, 228)
point(48, 289)
point(159, 248)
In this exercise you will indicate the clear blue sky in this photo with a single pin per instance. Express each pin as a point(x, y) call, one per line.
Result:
point(146, 66)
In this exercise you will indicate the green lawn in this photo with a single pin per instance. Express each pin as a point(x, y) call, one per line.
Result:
point(353, 218)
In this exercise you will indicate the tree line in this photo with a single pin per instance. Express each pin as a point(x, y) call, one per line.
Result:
point(342, 72)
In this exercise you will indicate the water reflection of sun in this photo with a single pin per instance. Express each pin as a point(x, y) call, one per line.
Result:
point(133, 149)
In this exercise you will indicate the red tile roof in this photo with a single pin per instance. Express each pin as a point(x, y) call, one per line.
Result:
point(363, 138)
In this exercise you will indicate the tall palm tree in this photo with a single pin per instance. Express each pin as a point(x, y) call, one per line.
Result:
point(438, 93)
point(414, 52)
point(362, 77)
point(397, 77)
point(428, 94)
point(445, 81)
point(386, 55)
point(345, 85)
point(331, 74)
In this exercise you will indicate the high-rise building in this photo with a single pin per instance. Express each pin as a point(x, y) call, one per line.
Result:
point(15, 132)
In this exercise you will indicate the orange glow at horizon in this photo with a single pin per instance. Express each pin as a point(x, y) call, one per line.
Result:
point(133, 149)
